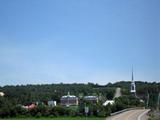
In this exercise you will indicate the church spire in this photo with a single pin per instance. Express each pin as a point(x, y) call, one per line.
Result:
point(133, 86)
point(132, 75)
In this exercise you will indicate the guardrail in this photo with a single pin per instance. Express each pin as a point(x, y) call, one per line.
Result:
point(121, 111)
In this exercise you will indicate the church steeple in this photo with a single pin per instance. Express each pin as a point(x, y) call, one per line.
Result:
point(132, 75)
point(133, 86)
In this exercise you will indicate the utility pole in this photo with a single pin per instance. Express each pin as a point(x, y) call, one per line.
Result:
point(158, 102)
point(147, 100)
point(86, 111)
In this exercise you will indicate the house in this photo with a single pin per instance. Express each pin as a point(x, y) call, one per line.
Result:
point(30, 106)
point(1, 94)
point(52, 103)
point(69, 100)
point(92, 99)
point(111, 102)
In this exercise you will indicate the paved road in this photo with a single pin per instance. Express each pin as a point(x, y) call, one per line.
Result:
point(118, 93)
point(131, 115)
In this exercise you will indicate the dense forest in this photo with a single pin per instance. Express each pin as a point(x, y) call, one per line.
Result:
point(26, 94)
point(32, 93)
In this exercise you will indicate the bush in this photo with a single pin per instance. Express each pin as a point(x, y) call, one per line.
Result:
point(102, 113)
point(38, 115)
point(108, 110)
point(72, 113)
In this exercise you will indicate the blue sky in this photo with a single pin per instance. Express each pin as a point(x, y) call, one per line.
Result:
point(53, 41)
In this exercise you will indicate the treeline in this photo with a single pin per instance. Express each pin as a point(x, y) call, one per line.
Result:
point(35, 93)
point(15, 96)
point(21, 94)
point(7, 109)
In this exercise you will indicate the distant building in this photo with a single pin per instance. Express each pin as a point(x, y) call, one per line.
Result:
point(111, 102)
point(1, 94)
point(29, 107)
point(93, 99)
point(133, 86)
point(69, 100)
point(52, 103)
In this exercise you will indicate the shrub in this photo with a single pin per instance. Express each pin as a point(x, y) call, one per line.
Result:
point(38, 115)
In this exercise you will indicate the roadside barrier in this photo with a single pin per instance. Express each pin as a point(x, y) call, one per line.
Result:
point(121, 111)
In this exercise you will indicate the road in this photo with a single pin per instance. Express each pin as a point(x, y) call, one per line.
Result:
point(118, 93)
point(140, 114)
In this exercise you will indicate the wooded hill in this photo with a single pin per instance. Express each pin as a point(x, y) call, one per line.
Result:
point(24, 94)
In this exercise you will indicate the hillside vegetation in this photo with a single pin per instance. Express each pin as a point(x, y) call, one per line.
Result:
point(15, 96)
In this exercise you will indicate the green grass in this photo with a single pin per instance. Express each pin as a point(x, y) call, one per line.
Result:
point(60, 118)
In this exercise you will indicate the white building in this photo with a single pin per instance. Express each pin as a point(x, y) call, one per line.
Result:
point(93, 99)
point(111, 102)
point(52, 103)
point(133, 86)
point(2, 94)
